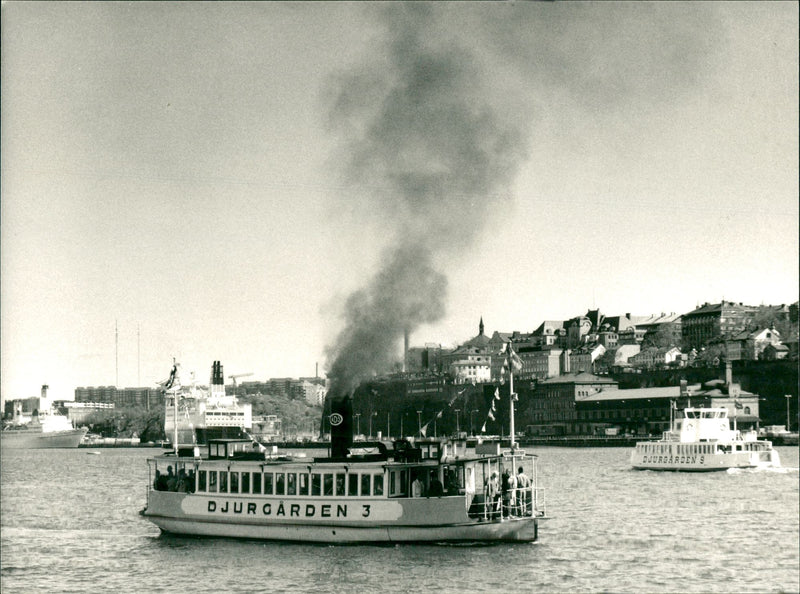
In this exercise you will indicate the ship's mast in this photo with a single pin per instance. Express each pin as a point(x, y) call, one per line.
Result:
point(511, 393)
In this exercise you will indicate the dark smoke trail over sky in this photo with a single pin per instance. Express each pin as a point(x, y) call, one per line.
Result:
point(436, 124)
point(424, 143)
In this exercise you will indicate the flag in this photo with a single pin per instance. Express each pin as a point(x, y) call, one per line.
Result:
point(497, 393)
point(513, 360)
point(737, 404)
point(424, 430)
point(491, 415)
point(439, 415)
point(483, 429)
point(494, 407)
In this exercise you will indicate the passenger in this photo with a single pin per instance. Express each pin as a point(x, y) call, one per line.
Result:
point(161, 481)
point(436, 489)
point(183, 481)
point(512, 494)
point(493, 495)
point(504, 490)
point(172, 480)
point(418, 487)
point(452, 483)
point(524, 486)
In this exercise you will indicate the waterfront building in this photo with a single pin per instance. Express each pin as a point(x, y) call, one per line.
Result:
point(586, 404)
point(552, 406)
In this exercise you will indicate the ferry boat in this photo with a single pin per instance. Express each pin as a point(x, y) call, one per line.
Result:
point(702, 440)
point(46, 428)
point(415, 491)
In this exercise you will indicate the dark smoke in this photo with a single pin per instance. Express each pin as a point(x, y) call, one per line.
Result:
point(434, 158)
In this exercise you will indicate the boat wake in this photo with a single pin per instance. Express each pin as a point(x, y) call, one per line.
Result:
point(757, 469)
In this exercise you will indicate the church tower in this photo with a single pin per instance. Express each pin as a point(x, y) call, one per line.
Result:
point(480, 327)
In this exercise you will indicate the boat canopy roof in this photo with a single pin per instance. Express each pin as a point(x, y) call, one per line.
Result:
point(705, 413)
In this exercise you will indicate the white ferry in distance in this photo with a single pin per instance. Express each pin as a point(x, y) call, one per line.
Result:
point(702, 441)
point(417, 491)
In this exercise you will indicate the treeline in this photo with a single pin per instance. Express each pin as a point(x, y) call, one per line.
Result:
point(148, 425)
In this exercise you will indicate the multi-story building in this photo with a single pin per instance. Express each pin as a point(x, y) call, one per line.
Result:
point(146, 398)
point(714, 321)
point(655, 358)
point(750, 345)
point(78, 412)
point(552, 410)
point(472, 361)
point(580, 404)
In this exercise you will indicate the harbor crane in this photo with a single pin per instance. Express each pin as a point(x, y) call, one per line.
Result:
point(237, 376)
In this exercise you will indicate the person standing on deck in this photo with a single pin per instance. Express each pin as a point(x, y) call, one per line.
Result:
point(418, 487)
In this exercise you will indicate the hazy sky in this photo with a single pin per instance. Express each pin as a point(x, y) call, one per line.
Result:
point(224, 180)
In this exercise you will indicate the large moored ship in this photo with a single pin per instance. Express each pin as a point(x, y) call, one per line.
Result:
point(46, 428)
point(203, 414)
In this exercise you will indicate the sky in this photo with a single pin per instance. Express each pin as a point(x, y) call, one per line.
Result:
point(287, 187)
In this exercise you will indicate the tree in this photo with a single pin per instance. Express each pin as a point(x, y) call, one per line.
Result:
point(148, 425)
point(664, 336)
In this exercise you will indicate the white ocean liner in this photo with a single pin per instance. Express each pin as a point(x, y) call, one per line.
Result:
point(45, 429)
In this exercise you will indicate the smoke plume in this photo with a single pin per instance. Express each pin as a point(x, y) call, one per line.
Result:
point(426, 146)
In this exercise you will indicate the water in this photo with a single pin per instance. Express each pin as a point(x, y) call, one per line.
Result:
point(70, 523)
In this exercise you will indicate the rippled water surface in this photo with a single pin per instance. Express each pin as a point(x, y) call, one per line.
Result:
point(70, 523)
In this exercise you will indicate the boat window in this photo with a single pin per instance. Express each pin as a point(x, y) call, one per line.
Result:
point(316, 485)
point(340, 479)
point(280, 483)
point(202, 479)
point(393, 483)
point(212, 481)
point(327, 484)
point(269, 483)
point(352, 485)
point(234, 482)
point(303, 481)
point(365, 484)
point(256, 483)
point(223, 481)
point(377, 485)
point(291, 483)
point(245, 482)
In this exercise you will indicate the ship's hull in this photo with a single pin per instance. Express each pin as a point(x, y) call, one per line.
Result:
point(24, 439)
point(390, 521)
point(705, 462)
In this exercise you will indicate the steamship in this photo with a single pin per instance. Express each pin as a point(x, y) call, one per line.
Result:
point(413, 491)
point(45, 428)
point(203, 414)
